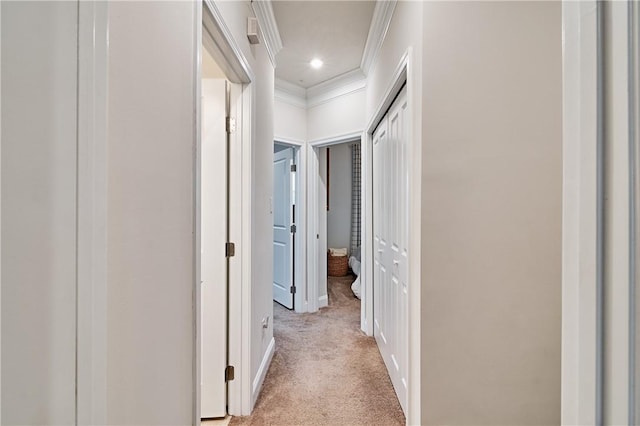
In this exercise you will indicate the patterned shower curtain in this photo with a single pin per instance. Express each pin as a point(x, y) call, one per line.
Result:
point(356, 184)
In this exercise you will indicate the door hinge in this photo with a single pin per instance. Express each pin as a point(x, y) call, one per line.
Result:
point(229, 373)
point(294, 168)
point(293, 289)
point(230, 249)
point(231, 125)
point(293, 228)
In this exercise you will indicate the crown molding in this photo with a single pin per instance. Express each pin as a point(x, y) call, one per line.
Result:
point(380, 22)
point(321, 93)
point(290, 93)
point(268, 27)
point(341, 85)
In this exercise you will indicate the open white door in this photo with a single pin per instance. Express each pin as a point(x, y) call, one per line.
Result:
point(213, 234)
point(283, 228)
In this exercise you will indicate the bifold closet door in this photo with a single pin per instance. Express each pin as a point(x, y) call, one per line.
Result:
point(390, 230)
point(39, 48)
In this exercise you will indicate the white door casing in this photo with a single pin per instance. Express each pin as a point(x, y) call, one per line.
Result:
point(213, 257)
point(390, 231)
point(282, 222)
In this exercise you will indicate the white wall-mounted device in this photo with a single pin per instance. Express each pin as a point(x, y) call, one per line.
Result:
point(252, 30)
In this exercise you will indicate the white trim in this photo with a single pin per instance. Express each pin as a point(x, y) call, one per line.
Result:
point(239, 265)
point(337, 139)
point(238, 70)
point(289, 141)
point(290, 93)
point(345, 84)
point(293, 89)
point(91, 380)
point(323, 301)
point(315, 239)
point(634, 141)
point(242, 341)
point(269, 28)
point(336, 87)
point(311, 287)
point(330, 96)
point(262, 371)
point(616, 176)
point(380, 22)
point(0, 214)
point(289, 99)
point(579, 394)
point(197, 173)
point(404, 73)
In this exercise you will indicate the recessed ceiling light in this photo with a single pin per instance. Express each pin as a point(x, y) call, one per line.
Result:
point(316, 63)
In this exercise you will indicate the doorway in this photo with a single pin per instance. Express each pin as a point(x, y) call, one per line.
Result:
point(340, 174)
point(321, 185)
point(221, 376)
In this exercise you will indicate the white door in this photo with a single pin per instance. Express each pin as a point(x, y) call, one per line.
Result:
point(283, 285)
point(390, 230)
point(213, 237)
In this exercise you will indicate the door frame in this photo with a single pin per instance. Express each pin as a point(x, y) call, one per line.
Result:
point(93, 56)
point(403, 74)
point(316, 255)
point(300, 250)
point(600, 212)
point(237, 69)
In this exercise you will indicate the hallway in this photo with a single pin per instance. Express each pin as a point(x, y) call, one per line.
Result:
point(325, 370)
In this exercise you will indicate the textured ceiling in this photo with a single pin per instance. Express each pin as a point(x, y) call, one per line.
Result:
point(334, 31)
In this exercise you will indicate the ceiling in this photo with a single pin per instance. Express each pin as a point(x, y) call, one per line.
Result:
point(334, 31)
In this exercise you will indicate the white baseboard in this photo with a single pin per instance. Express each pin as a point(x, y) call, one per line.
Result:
point(262, 372)
point(323, 301)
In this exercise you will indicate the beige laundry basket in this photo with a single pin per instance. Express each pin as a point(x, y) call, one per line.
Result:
point(337, 266)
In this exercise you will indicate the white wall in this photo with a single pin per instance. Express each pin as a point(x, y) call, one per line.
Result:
point(339, 116)
point(339, 214)
point(262, 221)
point(39, 107)
point(150, 216)
point(486, 80)
point(150, 213)
point(491, 197)
point(290, 122)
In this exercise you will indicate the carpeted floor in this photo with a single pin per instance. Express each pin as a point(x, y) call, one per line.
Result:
point(325, 371)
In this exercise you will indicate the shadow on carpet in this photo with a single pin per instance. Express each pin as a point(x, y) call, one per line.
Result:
point(325, 370)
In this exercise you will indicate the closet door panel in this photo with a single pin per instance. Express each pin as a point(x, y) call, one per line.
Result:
point(390, 178)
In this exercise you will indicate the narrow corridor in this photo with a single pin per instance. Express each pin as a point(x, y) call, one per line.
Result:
point(325, 370)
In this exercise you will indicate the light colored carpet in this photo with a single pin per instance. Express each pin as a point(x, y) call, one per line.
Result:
point(325, 371)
